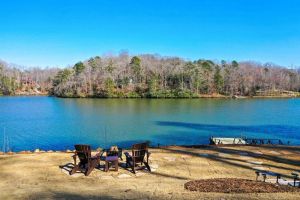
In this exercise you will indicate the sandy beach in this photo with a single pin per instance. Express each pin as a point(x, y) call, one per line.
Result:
point(38, 175)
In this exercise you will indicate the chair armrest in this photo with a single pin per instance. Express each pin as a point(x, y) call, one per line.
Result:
point(101, 153)
point(120, 152)
point(74, 158)
point(148, 155)
point(97, 156)
point(127, 155)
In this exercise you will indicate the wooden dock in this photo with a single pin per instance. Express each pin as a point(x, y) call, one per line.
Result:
point(255, 141)
point(244, 141)
point(226, 141)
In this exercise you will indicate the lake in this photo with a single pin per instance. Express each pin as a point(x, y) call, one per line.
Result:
point(27, 123)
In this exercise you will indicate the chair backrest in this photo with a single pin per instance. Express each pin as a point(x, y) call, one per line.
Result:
point(83, 152)
point(139, 151)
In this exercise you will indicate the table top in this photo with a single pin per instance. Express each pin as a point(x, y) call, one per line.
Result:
point(112, 158)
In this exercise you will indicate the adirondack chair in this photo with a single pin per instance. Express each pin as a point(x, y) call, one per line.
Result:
point(137, 157)
point(87, 162)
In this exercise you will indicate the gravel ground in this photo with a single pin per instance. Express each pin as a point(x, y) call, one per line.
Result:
point(233, 185)
point(38, 175)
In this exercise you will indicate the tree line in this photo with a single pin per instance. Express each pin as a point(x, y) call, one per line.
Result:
point(16, 80)
point(154, 76)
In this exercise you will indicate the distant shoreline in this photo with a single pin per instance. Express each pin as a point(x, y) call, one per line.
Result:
point(199, 97)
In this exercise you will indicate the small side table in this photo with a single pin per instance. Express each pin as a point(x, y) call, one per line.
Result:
point(114, 160)
point(114, 153)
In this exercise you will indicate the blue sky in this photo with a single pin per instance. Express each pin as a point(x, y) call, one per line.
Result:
point(62, 32)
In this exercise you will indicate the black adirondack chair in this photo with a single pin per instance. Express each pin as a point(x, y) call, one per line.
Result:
point(87, 162)
point(139, 156)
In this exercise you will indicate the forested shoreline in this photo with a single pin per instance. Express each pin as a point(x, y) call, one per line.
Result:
point(150, 76)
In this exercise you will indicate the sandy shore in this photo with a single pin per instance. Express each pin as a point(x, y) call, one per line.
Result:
point(38, 176)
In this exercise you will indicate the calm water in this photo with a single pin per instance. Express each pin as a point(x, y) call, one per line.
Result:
point(54, 123)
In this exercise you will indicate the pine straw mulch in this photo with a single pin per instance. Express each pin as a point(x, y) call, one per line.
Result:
point(232, 185)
